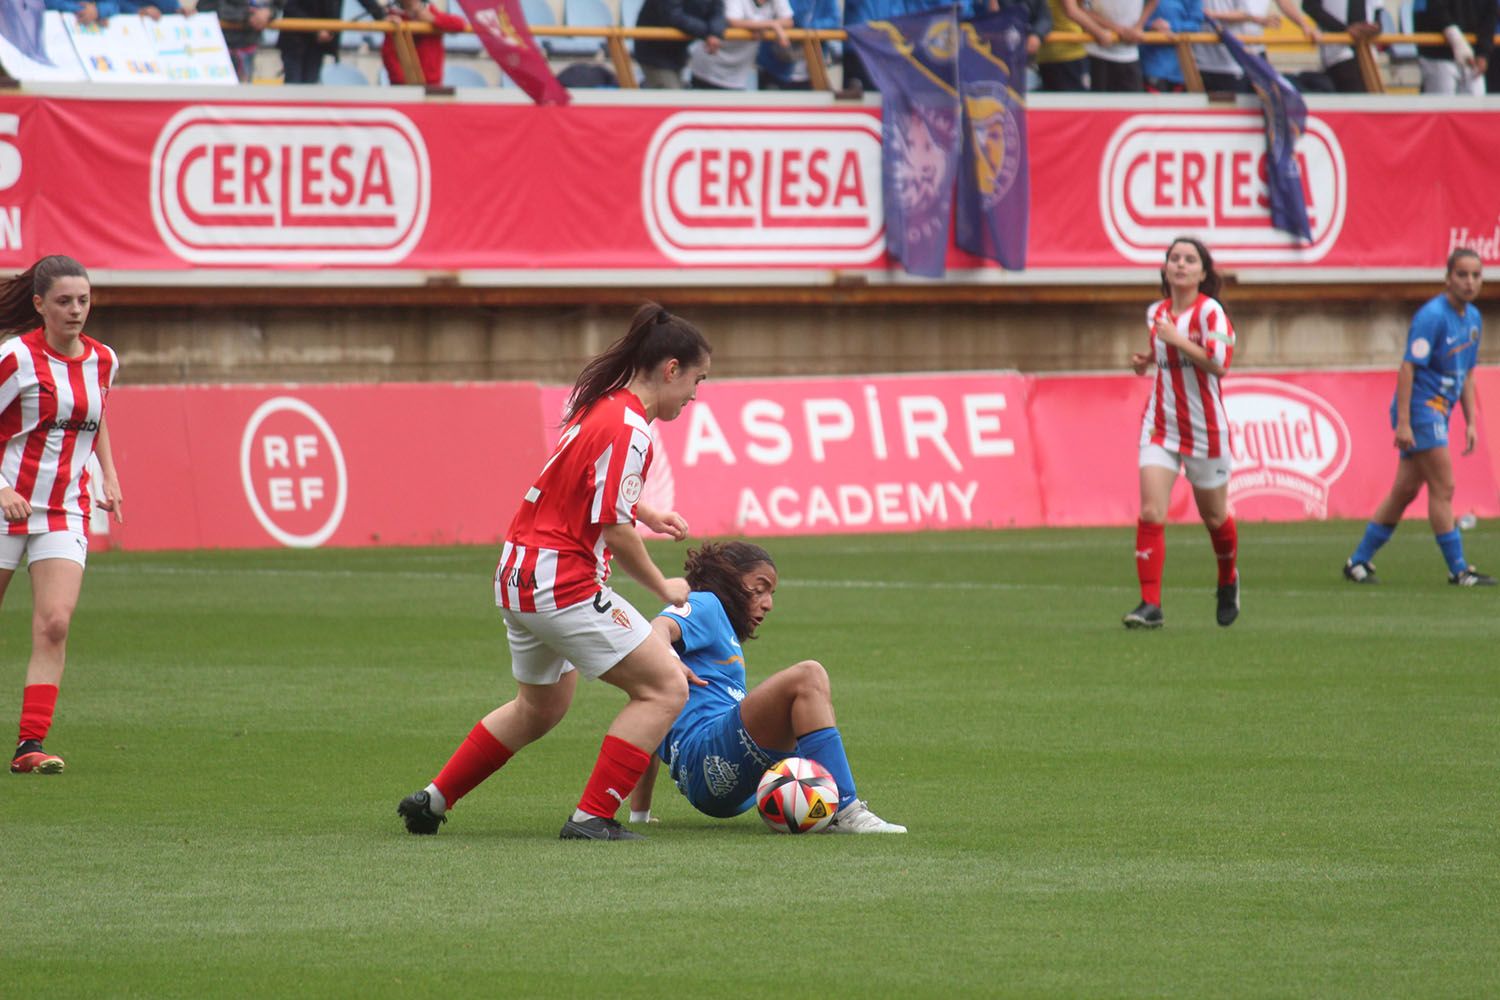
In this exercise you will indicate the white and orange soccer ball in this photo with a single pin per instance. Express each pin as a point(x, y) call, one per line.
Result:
point(797, 795)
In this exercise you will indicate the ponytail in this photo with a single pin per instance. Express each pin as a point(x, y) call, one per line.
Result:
point(719, 568)
point(655, 335)
point(17, 310)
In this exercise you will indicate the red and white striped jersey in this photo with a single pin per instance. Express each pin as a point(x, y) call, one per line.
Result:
point(50, 411)
point(554, 553)
point(1185, 413)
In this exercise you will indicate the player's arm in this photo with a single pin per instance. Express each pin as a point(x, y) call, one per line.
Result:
point(1405, 379)
point(628, 548)
point(669, 631)
point(640, 799)
point(662, 522)
point(110, 486)
point(1167, 333)
point(1468, 400)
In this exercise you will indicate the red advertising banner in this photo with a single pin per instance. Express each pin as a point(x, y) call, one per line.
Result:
point(254, 466)
point(305, 466)
point(501, 192)
point(830, 456)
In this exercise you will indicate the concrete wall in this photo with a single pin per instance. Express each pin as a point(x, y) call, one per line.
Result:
point(245, 343)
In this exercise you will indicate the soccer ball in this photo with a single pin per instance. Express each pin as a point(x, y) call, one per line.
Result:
point(797, 795)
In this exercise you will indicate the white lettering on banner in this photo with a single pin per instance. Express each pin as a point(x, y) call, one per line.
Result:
point(1487, 245)
point(10, 173)
point(298, 454)
point(290, 185)
point(1163, 175)
point(923, 426)
point(853, 505)
point(793, 188)
point(1286, 442)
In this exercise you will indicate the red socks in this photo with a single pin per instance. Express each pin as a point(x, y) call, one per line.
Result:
point(1226, 546)
point(38, 701)
point(479, 756)
point(1150, 556)
point(616, 772)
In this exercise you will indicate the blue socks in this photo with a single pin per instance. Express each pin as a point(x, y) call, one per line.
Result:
point(1452, 545)
point(826, 747)
point(1376, 535)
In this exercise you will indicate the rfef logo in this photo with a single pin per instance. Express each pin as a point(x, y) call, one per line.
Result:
point(293, 472)
point(289, 185)
point(1165, 175)
point(765, 188)
point(1287, 443)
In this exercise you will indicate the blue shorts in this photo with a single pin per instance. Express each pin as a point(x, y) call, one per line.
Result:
point(1427, 435)
point(718, 766)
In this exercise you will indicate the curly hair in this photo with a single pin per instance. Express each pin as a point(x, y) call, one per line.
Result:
point(719, 568)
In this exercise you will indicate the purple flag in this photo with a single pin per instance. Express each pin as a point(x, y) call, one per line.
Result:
point(913, 61)
point(21, 24)
point(994, 184)
point(502, 30)
point(1286, 119)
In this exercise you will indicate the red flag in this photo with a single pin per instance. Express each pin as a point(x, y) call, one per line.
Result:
point(501, 28)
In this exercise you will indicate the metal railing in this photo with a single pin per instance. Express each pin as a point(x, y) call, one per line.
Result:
point(811, 42)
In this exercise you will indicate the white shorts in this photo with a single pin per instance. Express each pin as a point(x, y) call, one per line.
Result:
point(49, 545)
point(1204, 473)
point(590, 637)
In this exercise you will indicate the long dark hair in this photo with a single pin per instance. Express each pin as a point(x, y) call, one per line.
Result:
point(655, 335)
point(1213, 281)
point(719, 568)
point(17, 310)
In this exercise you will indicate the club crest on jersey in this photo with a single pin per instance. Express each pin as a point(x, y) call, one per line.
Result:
point(620, 617)
point(630, 488)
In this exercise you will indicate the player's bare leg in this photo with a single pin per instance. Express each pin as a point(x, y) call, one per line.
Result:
point(789, 703)
point(55, 586)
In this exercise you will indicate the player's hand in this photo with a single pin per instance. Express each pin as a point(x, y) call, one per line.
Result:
point(1139, 362)
point(692, 678)
point(15, 506)
point(1471, 438)
point(1405, 440)
point(1166, 332)
point(675, 591)
point(112, 500)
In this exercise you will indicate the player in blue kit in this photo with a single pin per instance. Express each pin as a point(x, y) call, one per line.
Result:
point(727, 736)
point(1441, 350)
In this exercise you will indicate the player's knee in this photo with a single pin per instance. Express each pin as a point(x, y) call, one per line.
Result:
point(538, 716)
point(812, 678)
point(1214, 520)
point(672, 691)
point(51, 627)
point(1153, 514)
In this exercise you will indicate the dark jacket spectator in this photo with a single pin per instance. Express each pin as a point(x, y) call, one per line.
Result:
point(429, 47)
point(698, 18)
point(242, 22)
point(1469, 16)
point(302, 52)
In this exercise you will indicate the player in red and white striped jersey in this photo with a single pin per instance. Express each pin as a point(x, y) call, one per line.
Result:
point(552, 584)
point(54, 381)
point(1185, 425)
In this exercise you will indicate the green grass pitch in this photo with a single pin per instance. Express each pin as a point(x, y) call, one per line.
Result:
point(1304, 805)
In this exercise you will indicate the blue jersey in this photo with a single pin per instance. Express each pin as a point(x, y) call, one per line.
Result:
point(1442, 347)
point(708, 646)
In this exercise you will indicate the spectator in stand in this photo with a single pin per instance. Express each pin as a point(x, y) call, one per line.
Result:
point(302, 52)
point(1492, 76)
point(1357, 17)
point(87, 11)
point(1247, 19)
point(1038, 21)
point(1064, 66)
point(242, 22)
point(1457, 67)
point(662, 62)
point(1159, 63)
point(786, 68)
point(1116, 68)
point(429, 46)
point(731, 66)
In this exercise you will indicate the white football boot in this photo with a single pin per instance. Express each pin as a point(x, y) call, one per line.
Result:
point(857, 818)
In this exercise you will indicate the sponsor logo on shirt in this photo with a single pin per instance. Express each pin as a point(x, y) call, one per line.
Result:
point(1289, 445)
point(765, 188)
point(61, 424)
point(239, 184)
point(1164, 175)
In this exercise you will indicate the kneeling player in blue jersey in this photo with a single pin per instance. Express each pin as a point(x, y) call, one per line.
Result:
point(725, 738)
